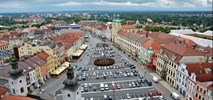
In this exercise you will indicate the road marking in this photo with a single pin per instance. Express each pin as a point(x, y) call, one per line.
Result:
point(119, 90)
point(114, 81)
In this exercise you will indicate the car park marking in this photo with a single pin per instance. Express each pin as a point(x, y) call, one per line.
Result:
point(117, 90)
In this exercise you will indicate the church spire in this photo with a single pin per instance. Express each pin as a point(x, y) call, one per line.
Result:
point(71, 80)
point(15, 71)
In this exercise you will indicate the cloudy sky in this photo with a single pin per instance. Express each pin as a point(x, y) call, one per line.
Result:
point(124, 5)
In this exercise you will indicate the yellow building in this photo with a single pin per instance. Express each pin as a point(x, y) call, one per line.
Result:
point(51, 49)
point(49, 60)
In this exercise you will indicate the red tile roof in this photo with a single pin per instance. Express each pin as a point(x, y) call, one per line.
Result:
point(43, 55)
point(181, 49)
point(151, 43)
point(188, 41)
point(9, 97)
point(3, 43)
point(198, 68)
point(132, 36)
point(68, 39)
point(3, 90)
point(206, 77)
point(127, 26)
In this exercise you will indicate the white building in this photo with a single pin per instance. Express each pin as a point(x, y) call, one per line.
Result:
point(182, 76)
point(71, 90)
point(17, 81)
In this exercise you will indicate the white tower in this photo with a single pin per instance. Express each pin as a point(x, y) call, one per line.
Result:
point(17, 81)
point(71, 90)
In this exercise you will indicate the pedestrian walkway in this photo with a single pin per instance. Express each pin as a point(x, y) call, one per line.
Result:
point(166, 85)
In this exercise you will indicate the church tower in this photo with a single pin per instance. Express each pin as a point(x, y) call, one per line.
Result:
point(17, 81)
point(116, 26)
point(71, 90)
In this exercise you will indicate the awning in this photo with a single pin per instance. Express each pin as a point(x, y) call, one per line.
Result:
point(60, 69)
point(83, 47)
point(77, 53)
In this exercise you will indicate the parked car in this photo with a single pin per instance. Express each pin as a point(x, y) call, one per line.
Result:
point(118, 86)
point(128, 96)
point(155, 79)
point(175, 96)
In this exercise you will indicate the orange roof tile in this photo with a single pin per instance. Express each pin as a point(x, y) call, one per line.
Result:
point(181, 49)
point(198, 68)
point(3, 43)
point(68, 39)
point(43, 55)
point(9, 97)
point(205, 77)
point(127, 26)
point(151, 43)
point(3, 90)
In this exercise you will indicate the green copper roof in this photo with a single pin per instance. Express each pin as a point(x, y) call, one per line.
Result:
point(117, 20)
point(150, 51)
point(137, 22)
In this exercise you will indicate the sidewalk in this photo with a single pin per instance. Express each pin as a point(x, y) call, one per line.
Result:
point(167, 85)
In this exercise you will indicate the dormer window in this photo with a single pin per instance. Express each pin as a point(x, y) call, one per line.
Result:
point(161, 50)
point(174, 56)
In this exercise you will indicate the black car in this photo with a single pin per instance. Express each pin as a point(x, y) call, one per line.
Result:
point(86, 89)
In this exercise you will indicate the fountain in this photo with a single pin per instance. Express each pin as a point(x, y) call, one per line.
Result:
point(104, 60)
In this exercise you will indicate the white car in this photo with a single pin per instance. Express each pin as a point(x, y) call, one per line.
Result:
point(155, 79)
point(175, 96)
point(128, 96)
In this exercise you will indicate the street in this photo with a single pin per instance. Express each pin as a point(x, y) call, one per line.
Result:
point(121, 78)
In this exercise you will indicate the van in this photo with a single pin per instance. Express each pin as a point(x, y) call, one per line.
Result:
point(155, 79)
point(102, 86)
point(148, 82)
point(175, 96)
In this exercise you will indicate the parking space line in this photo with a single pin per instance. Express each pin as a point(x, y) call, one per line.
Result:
point(119, 90)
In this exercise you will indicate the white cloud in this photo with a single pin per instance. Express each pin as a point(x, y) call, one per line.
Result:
point(107, 4)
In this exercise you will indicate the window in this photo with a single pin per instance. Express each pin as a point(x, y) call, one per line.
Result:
point(200, 89)
point(197, 87)
point(203, 98)
point(199, 97)
point(22, 89)
point(14, 92)
point(196, 95)
point(68, 95)
point(20, 81)
point(204, 92)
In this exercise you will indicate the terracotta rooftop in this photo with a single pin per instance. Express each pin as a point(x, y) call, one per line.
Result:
point(206, 77)
point(153, 44)
point(198, 68)
point(132, 36)
point(3, 43)
point(68, 39)
point(188, 41)
point(181, 49)
point(9, 97)
point(43, 55)
point(3, 90)
point(128, 26)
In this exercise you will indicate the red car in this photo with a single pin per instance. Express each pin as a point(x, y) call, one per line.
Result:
point(150, 94)
point(158, 92)
point(113, 86)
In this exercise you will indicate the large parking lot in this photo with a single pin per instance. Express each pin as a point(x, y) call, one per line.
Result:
point(116, 82)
